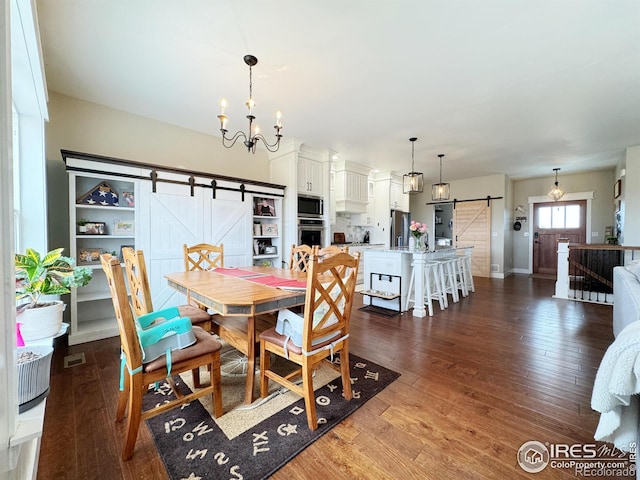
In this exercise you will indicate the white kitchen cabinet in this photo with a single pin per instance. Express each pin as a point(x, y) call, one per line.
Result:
point(397, 199)
point(390, 266)
point(351, 187)
point(310, 177)
point(366, 219)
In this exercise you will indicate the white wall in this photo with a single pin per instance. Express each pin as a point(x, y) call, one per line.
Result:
point(90, 128)
point(631, 197)
point(467, 189)
point(602, 214)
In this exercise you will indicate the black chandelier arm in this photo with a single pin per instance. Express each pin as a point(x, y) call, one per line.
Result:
point(271, 147)
point(231, 141)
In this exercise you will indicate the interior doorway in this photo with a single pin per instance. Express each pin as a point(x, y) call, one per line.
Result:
point(553, 221)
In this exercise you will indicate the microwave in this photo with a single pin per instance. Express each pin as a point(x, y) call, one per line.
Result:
point(309, 206)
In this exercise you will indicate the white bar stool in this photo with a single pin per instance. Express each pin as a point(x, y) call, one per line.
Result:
point(465, 262)
point(448, 275)
point(433, 288)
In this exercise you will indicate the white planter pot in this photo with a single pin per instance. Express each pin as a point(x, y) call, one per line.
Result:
point(43, 322)
point(33, 375)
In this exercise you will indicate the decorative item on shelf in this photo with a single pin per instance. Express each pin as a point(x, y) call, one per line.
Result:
point(95, 228)
point(264, 207)
point(270, 250)
point(37, 275)
point(82, 225)
point(123, 227)
point(128, 199)
point(412, 182)
point(256, 247)
point(556, 192)
point(101, 194)
point(253, 134)
point(88, 256)
point(418, 232)
point(257, 229)
point(270, 229)
point(440, 191)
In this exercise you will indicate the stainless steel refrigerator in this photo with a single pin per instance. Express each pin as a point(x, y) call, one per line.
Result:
point(399, 228)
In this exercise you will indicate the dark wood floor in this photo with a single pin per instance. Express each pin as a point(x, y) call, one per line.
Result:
point(506, 365)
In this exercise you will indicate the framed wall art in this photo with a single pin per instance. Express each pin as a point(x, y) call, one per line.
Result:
point(617, 188)
point(88, 256)
point(123, 227)
point(264, 207)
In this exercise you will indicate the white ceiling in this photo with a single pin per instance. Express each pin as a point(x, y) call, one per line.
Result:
point(503, 86)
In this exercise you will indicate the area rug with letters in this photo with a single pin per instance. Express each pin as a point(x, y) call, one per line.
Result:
point(254, 441)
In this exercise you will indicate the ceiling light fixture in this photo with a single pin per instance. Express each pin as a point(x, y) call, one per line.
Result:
point(412, 182)
point(556, 193)
point(440, 191)
point(252, 137)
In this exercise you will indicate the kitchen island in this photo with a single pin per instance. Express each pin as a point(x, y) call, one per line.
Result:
point(387, 275)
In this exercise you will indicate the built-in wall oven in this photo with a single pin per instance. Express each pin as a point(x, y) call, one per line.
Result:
point(310, 231)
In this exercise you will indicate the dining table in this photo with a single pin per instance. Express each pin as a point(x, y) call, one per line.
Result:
point(245, 299)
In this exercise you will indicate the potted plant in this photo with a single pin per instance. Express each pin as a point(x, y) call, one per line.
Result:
point(82, 225)
point(37, 275)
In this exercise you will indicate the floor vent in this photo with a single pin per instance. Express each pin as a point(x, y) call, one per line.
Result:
point(75, 359)
point(495, 268)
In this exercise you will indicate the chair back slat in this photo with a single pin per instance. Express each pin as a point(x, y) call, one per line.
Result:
point(299, 257)
point(136, 269)
point(126, 324)
point(203, 256)
point(331, 285)
point(331, 250)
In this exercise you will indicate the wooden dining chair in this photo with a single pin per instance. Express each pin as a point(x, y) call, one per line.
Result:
point(299, 257)
point(331, 250)
point(136, 269)
point(136, 376)
point(203, 256)
point(331, 284)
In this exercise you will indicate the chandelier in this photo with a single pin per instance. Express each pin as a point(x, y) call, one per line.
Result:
point(556, 193)
point(440, 191)
point(412, 182)
point(250, 139)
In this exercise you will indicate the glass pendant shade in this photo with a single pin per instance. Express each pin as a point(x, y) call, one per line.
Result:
point(440, 191)
point(412, 182)
point(556, 192)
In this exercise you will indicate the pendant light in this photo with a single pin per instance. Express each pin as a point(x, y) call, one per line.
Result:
point(556, 192)
point(440, 191)
point(412, 182)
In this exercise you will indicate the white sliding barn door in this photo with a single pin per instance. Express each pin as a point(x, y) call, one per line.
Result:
point(171, 217)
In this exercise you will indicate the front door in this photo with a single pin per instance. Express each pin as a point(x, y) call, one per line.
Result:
point(554, 221)
point(472, 228)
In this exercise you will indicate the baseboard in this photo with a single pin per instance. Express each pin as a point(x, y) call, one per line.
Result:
point(520, 270)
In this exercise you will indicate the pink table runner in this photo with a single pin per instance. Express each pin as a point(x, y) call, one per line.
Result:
point(261, 278)
point(235, 272)
point(279, 282)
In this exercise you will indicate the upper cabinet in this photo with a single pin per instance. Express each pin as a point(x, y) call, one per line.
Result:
point(351, 190)
point(397, 199)
point(310, 177)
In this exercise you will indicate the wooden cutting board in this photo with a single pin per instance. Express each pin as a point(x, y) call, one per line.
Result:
point(338, 237)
